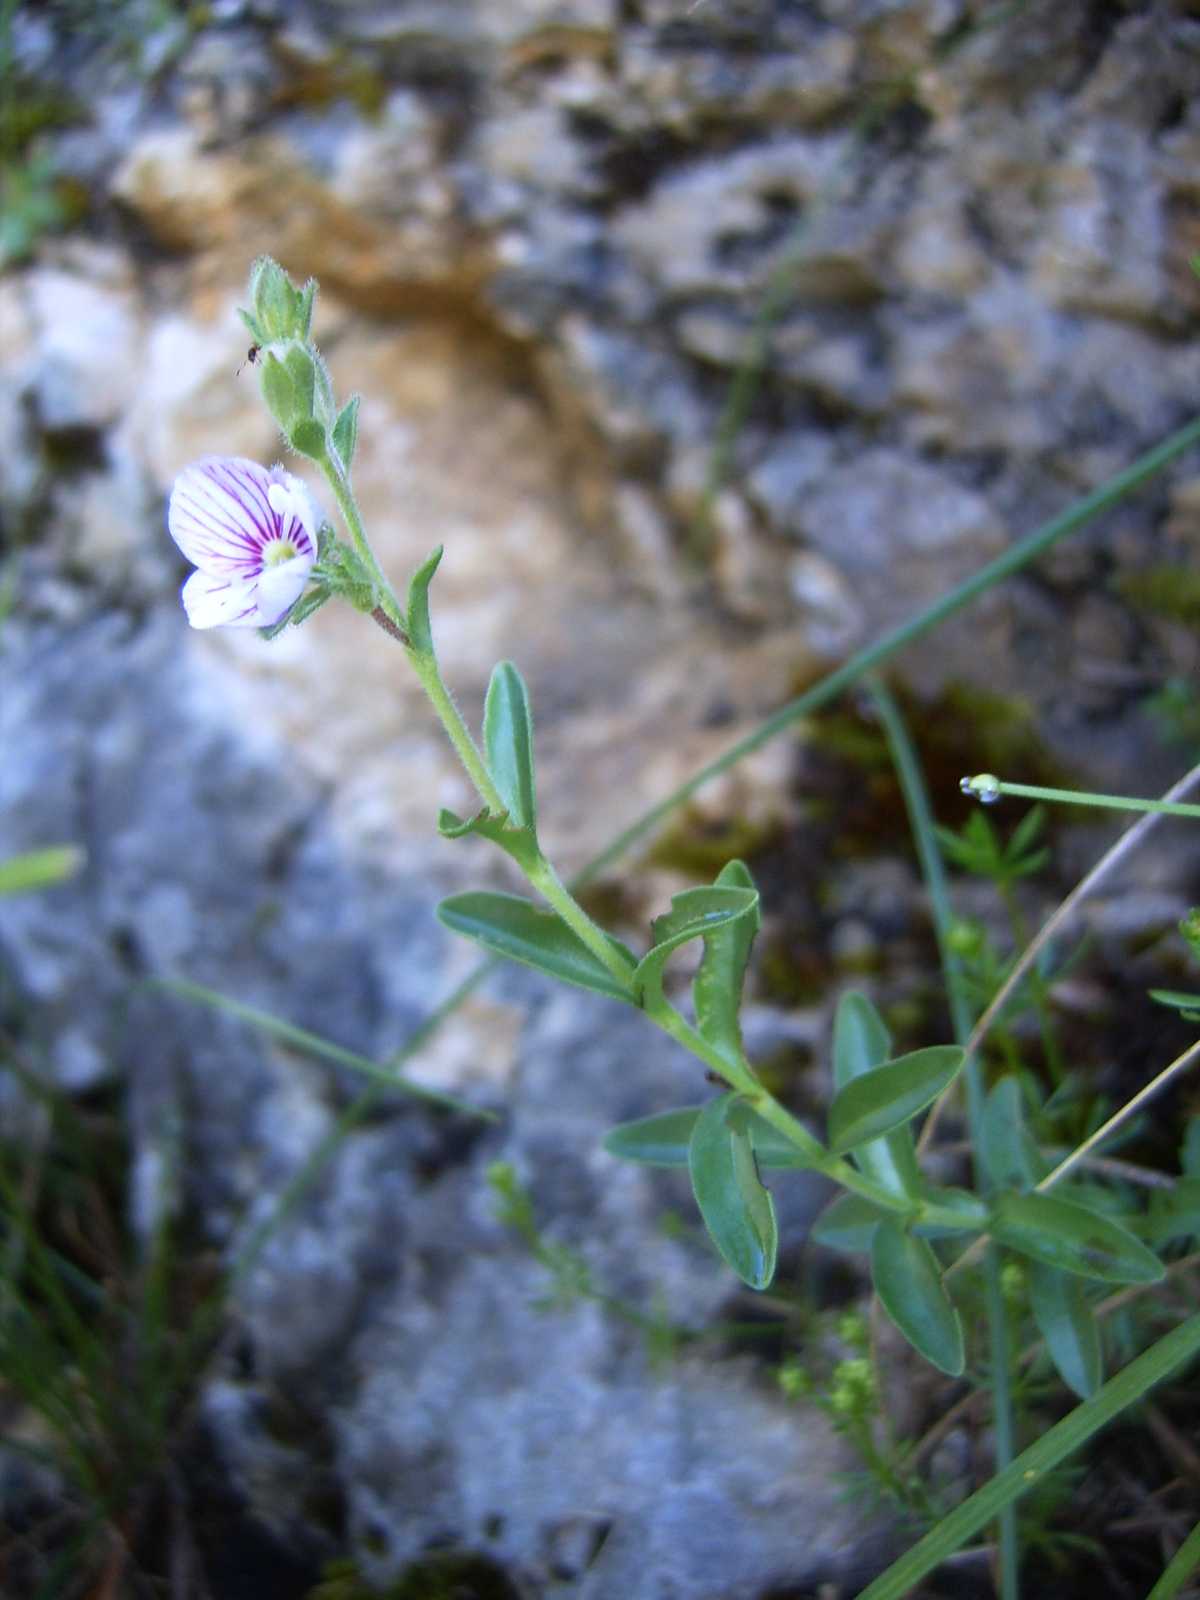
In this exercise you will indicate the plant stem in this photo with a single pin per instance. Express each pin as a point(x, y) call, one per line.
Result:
point(1083, 797)
point(550, 886)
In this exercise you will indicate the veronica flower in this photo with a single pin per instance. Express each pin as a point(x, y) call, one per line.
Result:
point(251, 535)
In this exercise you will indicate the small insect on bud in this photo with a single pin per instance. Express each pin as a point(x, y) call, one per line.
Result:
point(252, 356)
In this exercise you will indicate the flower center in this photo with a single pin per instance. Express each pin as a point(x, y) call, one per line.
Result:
point(278, 551)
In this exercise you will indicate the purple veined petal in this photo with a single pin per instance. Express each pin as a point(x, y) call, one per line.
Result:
point(220, 515)
point(280, 586)
point(294, 508)
point(214, 602)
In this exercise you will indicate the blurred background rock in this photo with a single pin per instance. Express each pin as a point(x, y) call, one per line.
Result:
point(547, 233)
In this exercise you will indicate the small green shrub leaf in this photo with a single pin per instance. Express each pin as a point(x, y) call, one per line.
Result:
point(508, 743)
point(908, 1281)
point(510, 926)
point(873, 1104)
point(1068, 1325)
point(420, 636)
point(737, 1211)
point(694, 914)
point(861, 1045)
point(861, 1041)
point(717, 987)
point(662, 1140)
point(848, 1223)
point(1009, 1151)
point(1064, 1234)
point(658, 1141)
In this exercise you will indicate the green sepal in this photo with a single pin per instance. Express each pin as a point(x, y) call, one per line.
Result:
point(737, 1211)
point(908, 1281)
point(508, 925)
point(307, 438)
point(1068, 1325)
point(861, 1045)
point(848, 1224)
point(508, 743)
point(253, 326)
point(1072, 1237)
point(717, 986)
point(345, 431)
point(278, 390)
point(301, 367)
point(420, 635)
point(890, 1096)
point(694, 914)
point(304, 310)
point(662, 1140)
point(1008, 1150)
point(40, 869)
point(281, 311)
point(311, 600)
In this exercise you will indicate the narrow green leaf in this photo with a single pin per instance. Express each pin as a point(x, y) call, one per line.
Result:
point(419, 633)
point(1068, 1325)
point(861, 1045)
point(717, 987)
point(694, 914)
point(510, 926)
point(908, 1281)
point(1009, 1151)
point(737, 1211)
point(40, 869)
point(1032, 1467)
point(891, 1096)
point(662, 1140)
point(508, 743)
point(861, 1041)
point(345, 431)
point(520, 843)
point(848, 1223)
point(1066, 1235)
point(1186, 1559)
point(658, 1141)
point(1177, 999)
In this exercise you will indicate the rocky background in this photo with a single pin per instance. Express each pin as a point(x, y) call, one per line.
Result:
point(548, 233)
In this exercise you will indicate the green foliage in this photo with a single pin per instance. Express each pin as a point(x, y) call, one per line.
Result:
point(977, 847)
point(662, 1140)
point(1071, 1237)
point(737, 1211)
point(890, 1096)
point(508, 743)
point(510, 926)
point(908, 1281)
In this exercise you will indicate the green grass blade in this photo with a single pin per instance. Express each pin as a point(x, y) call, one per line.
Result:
point(1048, 1452)
point(314, 1045)
point(1179, 1569)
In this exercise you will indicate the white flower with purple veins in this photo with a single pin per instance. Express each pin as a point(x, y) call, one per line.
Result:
point(251, 535)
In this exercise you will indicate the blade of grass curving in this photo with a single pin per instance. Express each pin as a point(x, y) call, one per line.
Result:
point(314, 1045)
point(1179, 1569)
point(933, 870)
point(1061, 1442)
